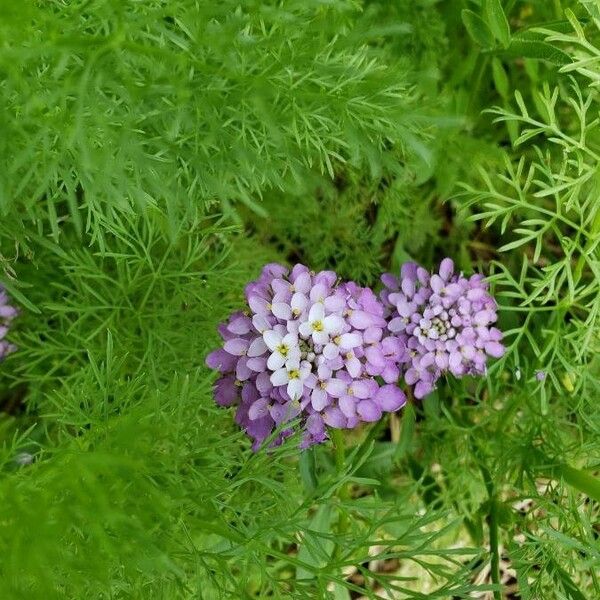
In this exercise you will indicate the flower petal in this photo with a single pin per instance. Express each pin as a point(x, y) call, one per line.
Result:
point(280, 377)
point(257, 347)
point(390, 398)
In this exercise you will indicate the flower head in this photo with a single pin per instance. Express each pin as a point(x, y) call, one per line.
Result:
point(309, 347)
point(7, 314)
point(444, 321)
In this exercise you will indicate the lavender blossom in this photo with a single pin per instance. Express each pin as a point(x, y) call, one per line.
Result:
point(309, 347)
point(7, 314)
point(444, 321)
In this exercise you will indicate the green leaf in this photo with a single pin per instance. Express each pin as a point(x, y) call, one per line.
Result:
point(497, 21)
point(315, 549)
point(307, 468)
point(500, 78)
point(530, 48)
point(477, 29)
point(19, 296)
point(407, 433)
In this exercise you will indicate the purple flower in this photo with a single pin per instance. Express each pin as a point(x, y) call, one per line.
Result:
point(310, 348)
point(7, 314)
point(444, 323)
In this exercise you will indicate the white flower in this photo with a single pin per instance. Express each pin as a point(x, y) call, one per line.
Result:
point(294, 373)
point(320, 327)
point(283, 345)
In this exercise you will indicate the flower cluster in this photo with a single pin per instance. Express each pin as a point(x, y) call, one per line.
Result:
point(444, 321)
point(309, 347)
point(331, 353)
point(7, 314)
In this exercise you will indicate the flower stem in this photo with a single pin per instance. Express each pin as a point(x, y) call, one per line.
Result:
point(343, 492)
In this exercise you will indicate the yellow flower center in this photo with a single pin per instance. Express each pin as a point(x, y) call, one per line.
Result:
point(282, 349)
point(317, 326)
point(294, 374)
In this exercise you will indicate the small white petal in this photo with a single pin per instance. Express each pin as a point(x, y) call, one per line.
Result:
point(272, 339)
point(295, 388)
point(317, 312)
point(320, 337)
point(305, 329)
point(333, 324)
point(290, 340)
point(280, 377)
point(319, 399)
point(276, 361)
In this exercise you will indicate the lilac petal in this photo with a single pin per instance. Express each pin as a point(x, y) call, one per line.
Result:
point(363, 388)
point(319, 399)
point(391, 373)
point(495, 349)
point(261, 323)
point(372, 335)
point(334, 417)
point(236, 346)
point(390, 281)
point(226, 391)
point(441, 360)
point(302, 283)
point(350, 340)
point(219, 360)
point(390, 398)
point(353, 366)
point(336, 387)
point(361, 320)
point(331, 351)
point(408, 287)
point(242, 371)
point(335, 303)
point(368, 411)
point(240, 325)
point(437, 283)
point(446, 269)
point(314, 424)
point(318, 293)
point(257, 363)
point(375, 356)
point(258, 305)
point(397, 324)
point(257, 347)
point(263, 383)
point(347, 405)
point(411, 376)
point(422, 389)
point(281, 310)
point(258, 409)
point(316, 312)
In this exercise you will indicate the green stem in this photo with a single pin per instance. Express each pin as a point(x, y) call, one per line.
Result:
point(343, 492)
point(493, 530)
